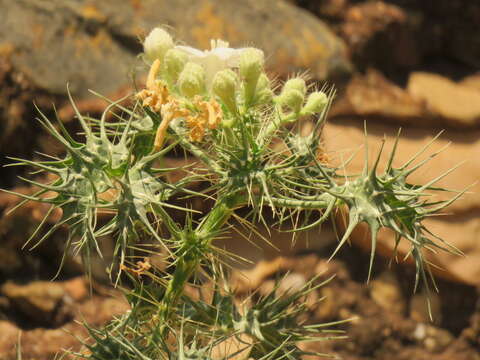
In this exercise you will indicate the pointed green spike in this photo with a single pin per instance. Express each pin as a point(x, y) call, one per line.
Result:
point(80, 118)
point(353, 222)
point(393, 152)
point(421, 151)
point(453, 199)
point(374, 228)
point(373, 172)
point(407, 172)
point(47, 125)
point(438, 178)
point(365, 165)
point(38, 228)
point(64, 131)
point(41, 165)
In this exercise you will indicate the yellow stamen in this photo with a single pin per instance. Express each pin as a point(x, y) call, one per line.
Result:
point(210, 115)
point(152, 75)
point(169, 111)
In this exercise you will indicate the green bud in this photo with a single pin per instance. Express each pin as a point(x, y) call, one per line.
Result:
point(263, 82)
point(251, 64)
point(296, 84)
point(250, 68)
point(316, 102)
point(264, 93)
point(224, 85)
point(173, 64)
point(156, 44)
point(191, 81)
point(291, 98)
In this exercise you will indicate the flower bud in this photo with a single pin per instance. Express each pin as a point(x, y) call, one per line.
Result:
point(250, 68)
point(251, 64)
point(224, 86)
point(316, 102)
point(296, 84)
point(191, 81)
point(264, 93)
point(173, 64)
point(291, 98)
point(156, 44)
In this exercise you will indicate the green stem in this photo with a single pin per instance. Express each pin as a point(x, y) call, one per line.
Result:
point(310, 204)
point(185, 268)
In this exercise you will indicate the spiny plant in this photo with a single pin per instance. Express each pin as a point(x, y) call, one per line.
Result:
point(221, 107)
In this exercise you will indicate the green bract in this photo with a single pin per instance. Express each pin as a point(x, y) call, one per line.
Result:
point(230, 126)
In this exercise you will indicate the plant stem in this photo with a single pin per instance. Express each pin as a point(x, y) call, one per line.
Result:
point(186, 266)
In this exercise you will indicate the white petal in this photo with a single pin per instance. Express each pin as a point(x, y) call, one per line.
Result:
point(191, 52)
point(223, 53)
point(234, 59)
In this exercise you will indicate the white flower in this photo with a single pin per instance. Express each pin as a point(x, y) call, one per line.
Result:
point(219, 57)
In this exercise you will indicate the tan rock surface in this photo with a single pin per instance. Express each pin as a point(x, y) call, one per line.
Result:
point(457, 103)
point(461, 227)
point(39, 301)
point(472, 81)
point(93, 45)
point(44, 344)
point(374, 95)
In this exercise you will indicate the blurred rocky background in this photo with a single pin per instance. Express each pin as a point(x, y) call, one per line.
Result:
point(397, 63)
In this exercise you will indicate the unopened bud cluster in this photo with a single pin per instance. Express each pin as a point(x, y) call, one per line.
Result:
point(235, 78)
point(293, 96)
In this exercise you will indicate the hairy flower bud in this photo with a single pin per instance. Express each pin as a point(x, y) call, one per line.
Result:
point(173, 64)
point(292, 99)
point(250, 68)
point(264, 93)
point(296, 84)
point(224, 86)
point(191, 81)
point(251, 64)
point(156, 44)
point(316, 102)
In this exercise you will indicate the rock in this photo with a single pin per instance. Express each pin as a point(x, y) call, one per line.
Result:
point(46, 344)
point(426, 307)
point(11, 260)
point(9, 337)
point(371, 27)
point(449, 24)
point(251, 279)
point(429, 100)
point(377, 33)
point(4, 306)
point(269, 244)
point(373, 95)
point(76, 288)
point(460, 227)
point(16, 227)
point(40, 301)
point(456, 103)
point(331, 9)
point(471, 81)
point(291, 283)
point(433, 339)
point(385, 291)
point(94, 46)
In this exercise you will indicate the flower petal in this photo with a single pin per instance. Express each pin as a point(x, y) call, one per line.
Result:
point(191, 52)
